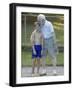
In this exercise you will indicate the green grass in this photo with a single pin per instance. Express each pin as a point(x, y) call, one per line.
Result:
point(27, 60)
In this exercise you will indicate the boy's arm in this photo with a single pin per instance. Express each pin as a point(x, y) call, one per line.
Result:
point(32, 42)
point(42, 42)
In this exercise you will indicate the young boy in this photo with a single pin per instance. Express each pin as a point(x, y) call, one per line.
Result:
point(37, 44)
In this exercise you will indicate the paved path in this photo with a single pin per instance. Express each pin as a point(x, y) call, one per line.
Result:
point(26, 71)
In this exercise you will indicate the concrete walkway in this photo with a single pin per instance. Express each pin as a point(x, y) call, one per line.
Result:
point(27, 71)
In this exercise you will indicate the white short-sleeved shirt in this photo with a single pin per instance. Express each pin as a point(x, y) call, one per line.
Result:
point(47, 30)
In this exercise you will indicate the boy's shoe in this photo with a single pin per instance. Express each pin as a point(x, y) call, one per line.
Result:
point(33, 75)
point(37, 74)
point(54, 72)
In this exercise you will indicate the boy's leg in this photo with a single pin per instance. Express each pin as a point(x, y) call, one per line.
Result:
point(33, 61)
point(38, 65)
point(43, 72)
point(44, 55)
point(33, 65)
point(44, 64)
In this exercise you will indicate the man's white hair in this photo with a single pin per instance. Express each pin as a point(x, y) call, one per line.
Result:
point(40, 17)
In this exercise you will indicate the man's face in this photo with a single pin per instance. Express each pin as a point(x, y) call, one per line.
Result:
point(41, 19)
point(41, 22)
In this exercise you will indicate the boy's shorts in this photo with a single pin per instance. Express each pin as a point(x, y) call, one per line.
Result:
point(38, 49)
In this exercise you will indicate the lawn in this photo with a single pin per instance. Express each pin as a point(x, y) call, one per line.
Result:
point(27, 60)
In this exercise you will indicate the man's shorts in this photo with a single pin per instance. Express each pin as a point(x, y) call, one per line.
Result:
point(38, 49)
point(50, 47)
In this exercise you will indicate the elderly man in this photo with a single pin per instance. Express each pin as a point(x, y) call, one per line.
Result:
point(50, 45)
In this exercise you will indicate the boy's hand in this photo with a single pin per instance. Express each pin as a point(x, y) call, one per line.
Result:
point(34, 50)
